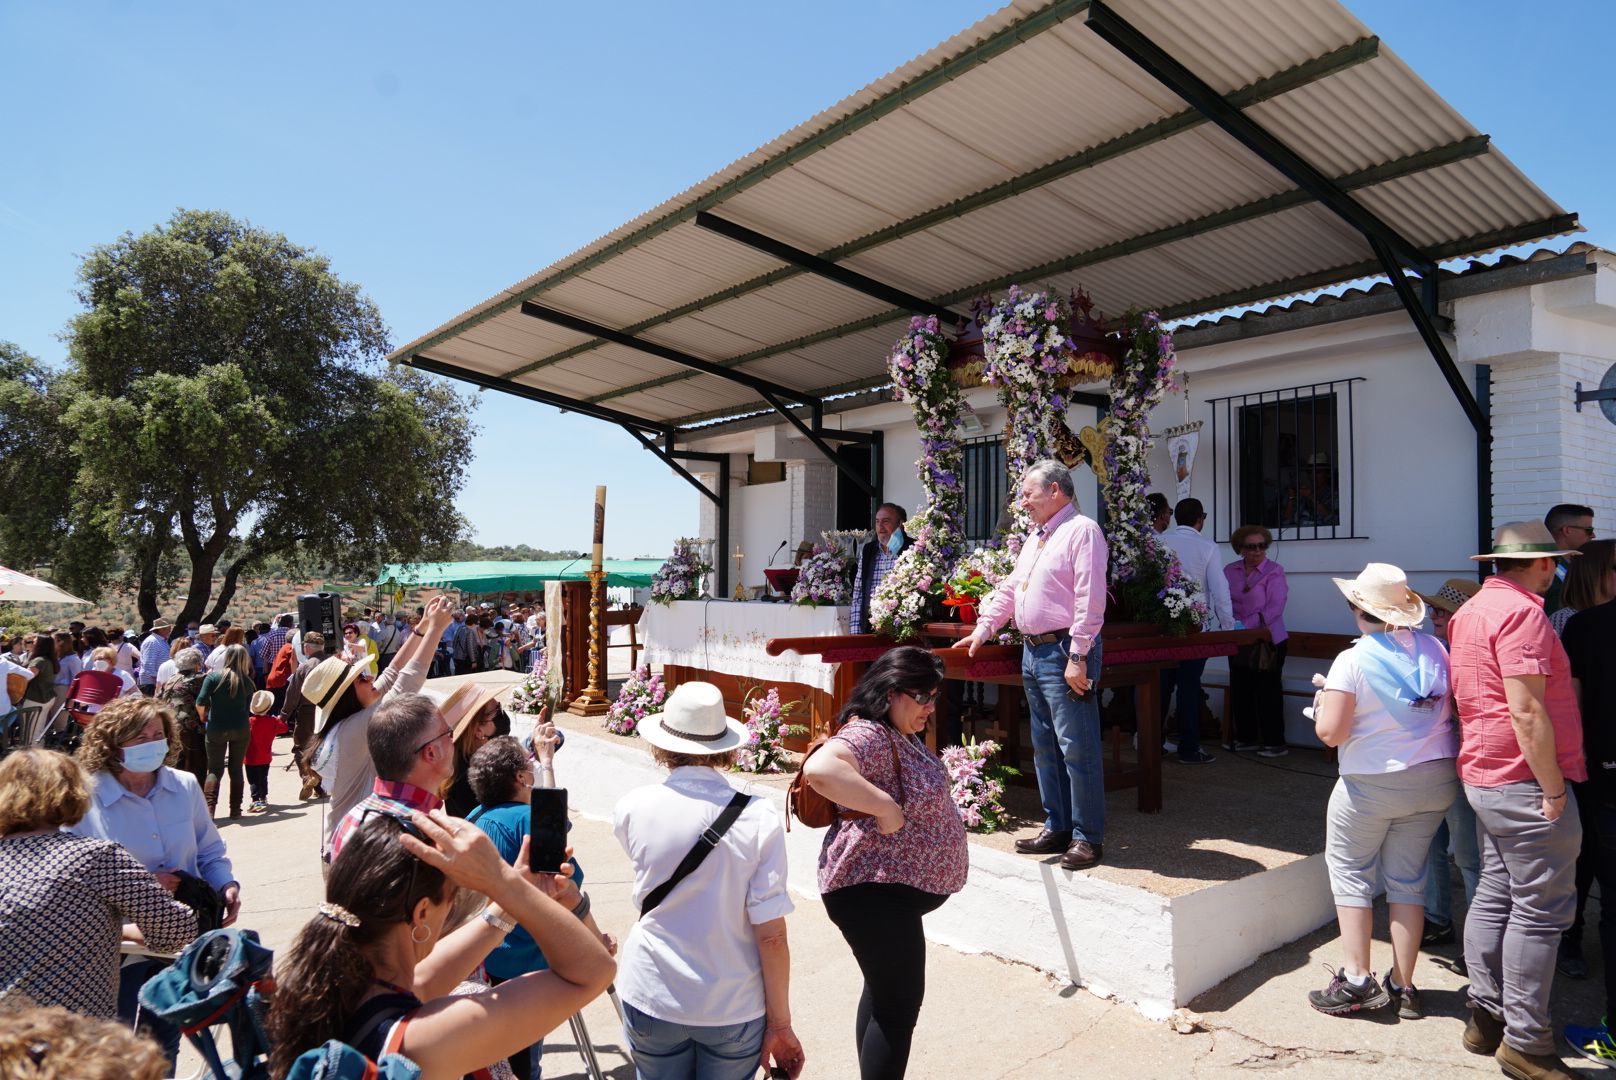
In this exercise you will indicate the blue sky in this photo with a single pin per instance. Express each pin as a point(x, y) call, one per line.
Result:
point(438, 153)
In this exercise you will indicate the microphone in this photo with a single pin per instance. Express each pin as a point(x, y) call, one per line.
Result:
point(777, 551)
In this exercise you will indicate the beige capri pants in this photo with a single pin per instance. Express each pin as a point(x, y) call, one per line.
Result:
point(1379, 830)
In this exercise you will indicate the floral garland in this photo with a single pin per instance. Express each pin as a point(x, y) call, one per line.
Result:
point(919, 367)
point(642, 695)
point(766, 729)
point(1145, 576)
point(826, 576)
point(976, 784)
point(1027, 350)
point(680, 577)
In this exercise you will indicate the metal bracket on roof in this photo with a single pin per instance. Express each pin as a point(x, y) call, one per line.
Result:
point(720, 497)
point(822, 267)
point(545, 397)
point(1391, 248)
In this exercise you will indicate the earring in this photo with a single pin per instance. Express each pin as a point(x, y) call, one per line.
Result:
point(421, 940)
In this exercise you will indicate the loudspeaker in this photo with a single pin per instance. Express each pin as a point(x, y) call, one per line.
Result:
point(321, 613)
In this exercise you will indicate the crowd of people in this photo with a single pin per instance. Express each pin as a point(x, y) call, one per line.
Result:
point(437, 939)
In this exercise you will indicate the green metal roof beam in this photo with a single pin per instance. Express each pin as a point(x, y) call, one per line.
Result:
point(1517, 234)
point(1294, 78)
point(922, 84)
point(1429, 159)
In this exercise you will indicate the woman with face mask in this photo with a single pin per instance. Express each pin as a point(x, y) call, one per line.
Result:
point(158, 815)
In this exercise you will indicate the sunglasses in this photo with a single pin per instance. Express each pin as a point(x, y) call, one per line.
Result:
point(1263, 546)
point(408, 826)
point(922, 697)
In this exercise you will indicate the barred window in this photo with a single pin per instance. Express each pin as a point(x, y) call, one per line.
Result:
point(986, 485)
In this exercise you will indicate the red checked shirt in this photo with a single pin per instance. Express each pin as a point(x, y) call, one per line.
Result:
point(1502, 633)
point(1058, 582)
point(386, 797)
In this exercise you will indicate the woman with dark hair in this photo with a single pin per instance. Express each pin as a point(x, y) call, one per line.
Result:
point(896, 850)
point(369, 968)
point(42, 662)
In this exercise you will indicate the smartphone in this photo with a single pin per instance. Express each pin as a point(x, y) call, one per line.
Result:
point(547, 849)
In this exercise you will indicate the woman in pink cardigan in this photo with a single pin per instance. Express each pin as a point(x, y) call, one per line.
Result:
point(1258, 590)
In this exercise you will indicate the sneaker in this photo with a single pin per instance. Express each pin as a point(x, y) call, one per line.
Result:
point(311, 784)
point(1273, 751)
point(1437, 933)
point(1593, 1043)
point(1199, 757)
point(1570, 962)
point(1341, 997)
point(1407, 999)
point(1242, 747)
point(258, 807)
point(1169, 746)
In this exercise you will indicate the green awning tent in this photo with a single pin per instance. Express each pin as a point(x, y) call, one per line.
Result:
point(494, 577)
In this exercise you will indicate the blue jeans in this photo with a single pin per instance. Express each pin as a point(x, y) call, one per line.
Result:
point(1186, 679)
point(664, 1050)
point(1459, 828)
point(131, 977)
point(1066, 752)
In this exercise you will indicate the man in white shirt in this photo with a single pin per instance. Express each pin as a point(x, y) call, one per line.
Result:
point(1198, 559)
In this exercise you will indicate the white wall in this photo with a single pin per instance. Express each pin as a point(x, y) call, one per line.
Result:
point(760, 517)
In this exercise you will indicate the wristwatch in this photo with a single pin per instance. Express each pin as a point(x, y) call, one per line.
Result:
point(1078, 658)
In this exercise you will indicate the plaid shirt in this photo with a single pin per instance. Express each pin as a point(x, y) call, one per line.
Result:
point(265, 648)
point(391, 797)
point(884, 562)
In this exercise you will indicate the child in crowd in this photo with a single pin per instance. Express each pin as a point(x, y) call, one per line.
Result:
point(259, 748)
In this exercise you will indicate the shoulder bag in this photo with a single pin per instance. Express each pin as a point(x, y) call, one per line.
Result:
point(705, 843)
point(813, 809)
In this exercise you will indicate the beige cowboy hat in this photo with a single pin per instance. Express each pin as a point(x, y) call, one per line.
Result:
point(1382, 590)
point(1523, 540)
point(462, 706)
point(205, 629)
point(693, 721)
point(1452, 595)
point(326, 684)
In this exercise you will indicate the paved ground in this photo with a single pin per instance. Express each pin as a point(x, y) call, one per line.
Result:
point(983, 1018)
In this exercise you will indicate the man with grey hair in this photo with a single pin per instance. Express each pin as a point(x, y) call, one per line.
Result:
point(412, 747)
point(1056, 596)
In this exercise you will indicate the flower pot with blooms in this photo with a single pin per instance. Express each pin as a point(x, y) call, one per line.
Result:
point(906, 596)
point(964, 592)
point(826, 577)
point(642, 695)
point(680, 577)
point(767, 729)
point(540, 691)
point(976, 783)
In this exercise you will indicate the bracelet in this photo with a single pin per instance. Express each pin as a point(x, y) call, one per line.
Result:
point(417, 633)
point(504, 926)
point(1555, 798)
point(582, 910)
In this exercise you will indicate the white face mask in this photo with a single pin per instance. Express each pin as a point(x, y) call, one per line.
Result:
point(145, 757)
point(895, 541)
point(100, 665)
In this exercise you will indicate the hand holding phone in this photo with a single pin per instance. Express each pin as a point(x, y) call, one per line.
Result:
point(547, 850)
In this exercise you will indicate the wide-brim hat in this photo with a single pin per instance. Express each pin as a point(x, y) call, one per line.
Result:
point(1524, 540)
point(1382, 590)
point(1452, 595)
point(693, 721)
point(326, 684)
point(161, 624)
point(262, 702)
point(206, 628)
point(463, 704)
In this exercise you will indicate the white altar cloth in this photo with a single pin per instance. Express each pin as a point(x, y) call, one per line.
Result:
point(729, 636)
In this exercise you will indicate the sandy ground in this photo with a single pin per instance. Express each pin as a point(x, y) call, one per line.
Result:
point(983, 1018)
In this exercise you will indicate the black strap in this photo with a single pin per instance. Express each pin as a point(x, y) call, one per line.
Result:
point(704, 844)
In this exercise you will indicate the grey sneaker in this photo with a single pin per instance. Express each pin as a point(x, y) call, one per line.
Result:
point(1341, 997)
point(1273, 751)
point(1406, 997)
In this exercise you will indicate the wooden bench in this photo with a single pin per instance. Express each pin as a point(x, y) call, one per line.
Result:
point(1302, 644)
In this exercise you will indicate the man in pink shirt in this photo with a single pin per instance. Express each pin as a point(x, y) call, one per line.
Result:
point(1520, 741)
point(1056, 595)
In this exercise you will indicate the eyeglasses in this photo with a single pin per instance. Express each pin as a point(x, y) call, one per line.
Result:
point(922, 697)
point(408, 826)
point(1259, 546)
point(1589, 529)
point(446, 733)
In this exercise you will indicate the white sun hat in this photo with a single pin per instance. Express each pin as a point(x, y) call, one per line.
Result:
point(1382, 590)
point(692, 721)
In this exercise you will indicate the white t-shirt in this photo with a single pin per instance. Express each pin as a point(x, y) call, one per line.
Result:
point(8, 669)
point(694, 959)
point(1392, 737)
point(166, 671)
point(128, 657)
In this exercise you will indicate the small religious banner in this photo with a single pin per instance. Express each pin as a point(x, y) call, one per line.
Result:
point(1181, 445)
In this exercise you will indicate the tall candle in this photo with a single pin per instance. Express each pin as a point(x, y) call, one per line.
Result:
point(600, 525)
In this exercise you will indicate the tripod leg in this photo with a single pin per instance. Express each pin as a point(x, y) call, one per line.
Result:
point(586, 1049)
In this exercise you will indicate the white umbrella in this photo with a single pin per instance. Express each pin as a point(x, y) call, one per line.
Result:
point(17, 587)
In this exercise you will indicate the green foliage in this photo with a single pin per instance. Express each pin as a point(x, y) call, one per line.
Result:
point(224, 408)
point(17, 623)
point(466, 551)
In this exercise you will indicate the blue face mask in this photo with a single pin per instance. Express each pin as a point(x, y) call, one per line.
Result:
point(895, 541)
point(145, 757)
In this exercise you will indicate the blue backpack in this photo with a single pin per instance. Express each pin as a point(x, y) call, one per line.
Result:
point(225, 977)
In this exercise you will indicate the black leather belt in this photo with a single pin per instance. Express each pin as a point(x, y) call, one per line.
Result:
point(1046, 639)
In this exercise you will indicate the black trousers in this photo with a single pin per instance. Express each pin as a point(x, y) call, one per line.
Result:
point(881, 923)
point(1591, 812)
point(1259, 704)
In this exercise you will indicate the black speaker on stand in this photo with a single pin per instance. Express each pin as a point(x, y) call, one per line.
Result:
point(322, 614)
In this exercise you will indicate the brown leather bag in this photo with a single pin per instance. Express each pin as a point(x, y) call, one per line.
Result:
point(813, 809)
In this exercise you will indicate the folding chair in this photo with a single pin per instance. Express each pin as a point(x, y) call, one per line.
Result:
point(89, 691)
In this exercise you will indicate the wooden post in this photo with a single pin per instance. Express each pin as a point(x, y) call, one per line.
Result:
point(592, 702)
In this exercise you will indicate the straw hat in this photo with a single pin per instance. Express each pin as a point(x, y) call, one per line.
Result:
point(692, 721)
point(1382, 590)
point(205, 629)
point(262, 702)
point(462, 706)
point(1452, 595)
point(326, 684)
point(1523, 540)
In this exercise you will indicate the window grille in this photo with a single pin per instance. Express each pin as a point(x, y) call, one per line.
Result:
point(1284, 460)
point(986, 485)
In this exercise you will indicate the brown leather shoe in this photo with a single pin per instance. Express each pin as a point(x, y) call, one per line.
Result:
point(1045, 843)
point(1082, 855)
point(1483, 1032)
point(1532, 1066)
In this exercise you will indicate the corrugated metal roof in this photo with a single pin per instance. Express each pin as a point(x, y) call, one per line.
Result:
point(1025, 148)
